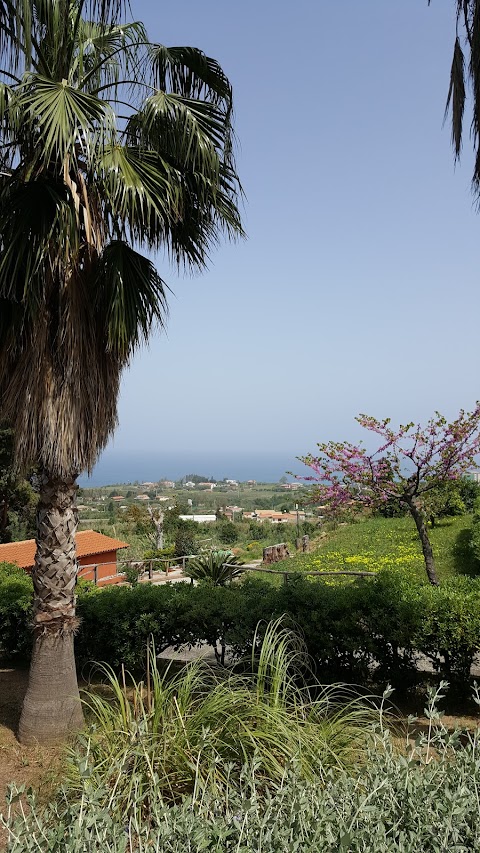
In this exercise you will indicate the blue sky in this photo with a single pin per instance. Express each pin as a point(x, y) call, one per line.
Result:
point(357, 289)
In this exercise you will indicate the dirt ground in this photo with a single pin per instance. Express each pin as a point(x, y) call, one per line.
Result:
point(33, 765)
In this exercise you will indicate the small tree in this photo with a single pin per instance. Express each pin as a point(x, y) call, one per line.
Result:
point(227, 533)
point(157, 518)
point(411, 464)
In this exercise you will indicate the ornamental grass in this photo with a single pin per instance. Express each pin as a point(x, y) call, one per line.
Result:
point(192, 731)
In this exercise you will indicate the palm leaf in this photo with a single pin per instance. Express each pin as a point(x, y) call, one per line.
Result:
point(456, 96)
point(129, 296)
point(63, 119)
point(191, 74)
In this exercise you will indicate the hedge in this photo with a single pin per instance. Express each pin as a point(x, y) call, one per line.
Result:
point(378, 625)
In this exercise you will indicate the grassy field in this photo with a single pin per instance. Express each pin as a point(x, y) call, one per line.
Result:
point(378, 543)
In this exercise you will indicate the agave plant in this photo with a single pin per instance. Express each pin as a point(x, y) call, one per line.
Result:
point(216, 567)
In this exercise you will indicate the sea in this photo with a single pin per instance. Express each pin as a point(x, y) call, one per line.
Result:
point(117, 466)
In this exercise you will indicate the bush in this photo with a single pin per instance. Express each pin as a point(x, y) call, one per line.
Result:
point(204, 719)
point(227, 533)
point(16, 592)
point(185, 543)
point(424, 799)
point(370, 628)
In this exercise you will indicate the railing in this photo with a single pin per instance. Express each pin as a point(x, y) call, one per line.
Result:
point(144, 566)
point(288, 574)
point(149, 567)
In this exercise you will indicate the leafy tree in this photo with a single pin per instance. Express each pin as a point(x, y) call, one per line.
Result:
point(18, 499)
point(185, 544)
point(227, 533)
point(469, 491)
point(444, 501)
point(139, 516)
point(108, 144)
point(411, 465)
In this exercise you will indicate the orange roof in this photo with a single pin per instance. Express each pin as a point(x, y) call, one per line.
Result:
point(88, 542)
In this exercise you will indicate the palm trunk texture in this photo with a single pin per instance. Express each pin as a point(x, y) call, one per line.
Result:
point(419, 520)
point(52, 709)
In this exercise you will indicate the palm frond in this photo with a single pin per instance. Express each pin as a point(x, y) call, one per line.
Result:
point(191, 74)
point(129, 296)
point(456, 96)
point(192, 131)
point(63, 119)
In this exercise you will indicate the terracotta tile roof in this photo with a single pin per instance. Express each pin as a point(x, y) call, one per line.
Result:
point(88, 542)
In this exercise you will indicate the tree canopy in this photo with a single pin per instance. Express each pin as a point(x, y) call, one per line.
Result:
point(465, 71)
point(410, 468)
point(110, 145)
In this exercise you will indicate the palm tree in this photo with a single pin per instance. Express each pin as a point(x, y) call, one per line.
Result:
point(466, 69)
point(108, 144)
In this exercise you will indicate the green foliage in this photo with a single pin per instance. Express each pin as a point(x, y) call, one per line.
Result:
point(160, 553)
point(185, 543)
point(227, 533)
point(16, 593)
point(351, 630)
point(216, 567)
point(423, 798)
point(469, 490)
point(475, 537)
point(175, 730)
point(354, 630)
point(132, 574)
point(18, 500)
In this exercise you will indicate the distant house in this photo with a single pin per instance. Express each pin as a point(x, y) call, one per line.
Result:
point(207, 486)
point(167, 484)
point(93, 550)
point(189, 485)
point(231, 511)
point(200, 519)
point(231, 482)
point(142, 498)
point(273, 517)
point(148, 485)
point(291, 487)
point(118, 498)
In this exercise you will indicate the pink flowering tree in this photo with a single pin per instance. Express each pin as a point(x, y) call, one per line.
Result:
point(410, 464)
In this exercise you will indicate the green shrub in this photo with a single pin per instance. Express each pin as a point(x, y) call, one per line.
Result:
point(422, 799)
point(355, 631)
point(16, 592)
point(185, 543)
point(227, 533)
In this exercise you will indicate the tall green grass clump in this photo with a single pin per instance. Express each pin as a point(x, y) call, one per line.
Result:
point(192, 731)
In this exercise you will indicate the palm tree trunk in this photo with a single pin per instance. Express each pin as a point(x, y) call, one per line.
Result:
point(419, 520)
point(52, 707)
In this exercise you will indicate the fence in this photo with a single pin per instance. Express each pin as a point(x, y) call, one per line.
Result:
point(93, 571)
point(286, 574)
